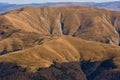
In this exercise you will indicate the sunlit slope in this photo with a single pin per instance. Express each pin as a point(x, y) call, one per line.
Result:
point(83, 22)
point(63, 49)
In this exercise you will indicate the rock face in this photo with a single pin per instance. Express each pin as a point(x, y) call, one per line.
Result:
point(68, 43)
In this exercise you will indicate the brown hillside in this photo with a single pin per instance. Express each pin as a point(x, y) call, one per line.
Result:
point(64, 49)
point(54, 39)
point(87, 23)
point(55, 59)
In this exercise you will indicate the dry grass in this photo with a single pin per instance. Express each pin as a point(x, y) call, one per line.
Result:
point(39, 35)
point(62, 49)
point(87, 23)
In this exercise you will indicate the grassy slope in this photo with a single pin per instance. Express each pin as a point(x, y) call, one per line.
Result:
point(63, 49)
point(83, 22)
point(35, 37)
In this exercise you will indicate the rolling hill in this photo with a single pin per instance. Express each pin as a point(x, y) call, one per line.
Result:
point(59, 43)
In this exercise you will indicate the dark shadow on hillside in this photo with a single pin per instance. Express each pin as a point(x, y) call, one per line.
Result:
point(85, 70)
point(93, 69)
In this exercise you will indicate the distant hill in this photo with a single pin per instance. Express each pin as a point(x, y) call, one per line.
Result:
point(107, 5)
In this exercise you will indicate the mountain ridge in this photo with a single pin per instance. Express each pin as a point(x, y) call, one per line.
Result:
point(106, 5)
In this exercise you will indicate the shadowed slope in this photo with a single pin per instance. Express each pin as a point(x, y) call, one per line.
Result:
point(63, 58)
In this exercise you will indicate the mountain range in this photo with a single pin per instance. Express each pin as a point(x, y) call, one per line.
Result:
point(107, 5)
